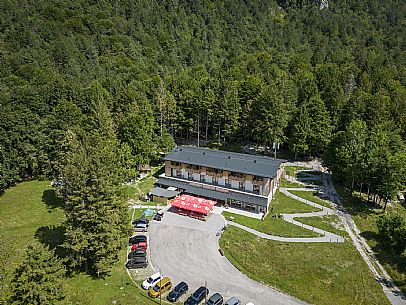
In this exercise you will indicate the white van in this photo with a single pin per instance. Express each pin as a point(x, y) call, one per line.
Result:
point(151, 281)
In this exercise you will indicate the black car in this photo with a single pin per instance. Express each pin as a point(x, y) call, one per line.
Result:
point(137, 239)
point(215, 299)
point(137, 253)
point(137, 262)
point(177, 292)
point(158, 217)
point(197, 296)
point(140, 220)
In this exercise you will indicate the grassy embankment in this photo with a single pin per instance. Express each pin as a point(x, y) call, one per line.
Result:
point(274, 225)
point(318, 273)
point(30, 211)
point(365, 216)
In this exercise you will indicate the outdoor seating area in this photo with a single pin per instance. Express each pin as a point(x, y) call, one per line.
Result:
point(191, 206)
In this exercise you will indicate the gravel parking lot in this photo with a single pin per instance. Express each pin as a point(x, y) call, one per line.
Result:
point(186, 249)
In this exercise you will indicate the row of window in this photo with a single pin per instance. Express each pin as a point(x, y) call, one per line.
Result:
point(215, 180)
point(215, 170)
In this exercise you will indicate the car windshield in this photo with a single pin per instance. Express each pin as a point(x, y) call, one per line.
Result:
point(156, 288)
point(150, 280)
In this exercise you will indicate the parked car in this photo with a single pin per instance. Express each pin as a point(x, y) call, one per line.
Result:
point(141, 227)
point(151, 281)
point(137, 253)
point(233, 301)
point(142, 219)
point(250, 303)
point(139, 246)
point(197, 296)
point(136, 239)
point(177, 292)
point(137, 262)
point(215, 299)
point(158, 216)
point(160, 288)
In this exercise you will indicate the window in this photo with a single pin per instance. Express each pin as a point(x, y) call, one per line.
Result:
point(241, 185)
point(227, 183)
point(202, 178)
point(215, 180)
point(256, 187)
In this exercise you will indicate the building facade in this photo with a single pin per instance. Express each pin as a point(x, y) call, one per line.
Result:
point(238, 180)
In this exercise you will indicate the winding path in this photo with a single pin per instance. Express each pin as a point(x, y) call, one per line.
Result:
point(324, 211)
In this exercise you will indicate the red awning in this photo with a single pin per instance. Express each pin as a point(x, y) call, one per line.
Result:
point(190, 203)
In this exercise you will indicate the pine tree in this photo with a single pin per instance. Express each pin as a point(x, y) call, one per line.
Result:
point(298, 141)
point(91, 175)
point(38, 279)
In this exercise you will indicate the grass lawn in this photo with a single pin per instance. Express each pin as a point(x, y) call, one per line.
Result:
point(286, 183)
point(284, 204)
point(138, 213)
point(329, 223)
point(318, 273)
point(143, 186)
point(30, 211)
point(365, 216)
point(314, 182)
point(271, 225)
point(292, 170)
point(311, 196)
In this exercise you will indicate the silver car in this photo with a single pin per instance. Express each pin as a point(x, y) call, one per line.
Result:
point(141, 227)
point(233, 301)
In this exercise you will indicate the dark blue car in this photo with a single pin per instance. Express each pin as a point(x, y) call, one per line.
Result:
point(197, 296)
point(177, 292)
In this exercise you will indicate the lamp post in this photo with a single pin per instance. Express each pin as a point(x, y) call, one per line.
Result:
point(160, 287)
point(275, 146)
point(205, 292)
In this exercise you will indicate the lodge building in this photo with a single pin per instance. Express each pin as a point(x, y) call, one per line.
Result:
point(238, 180)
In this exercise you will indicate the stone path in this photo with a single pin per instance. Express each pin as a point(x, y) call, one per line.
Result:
point(324, 211)
point(392, 292)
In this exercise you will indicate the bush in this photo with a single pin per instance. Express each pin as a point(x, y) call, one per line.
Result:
point(392, 233)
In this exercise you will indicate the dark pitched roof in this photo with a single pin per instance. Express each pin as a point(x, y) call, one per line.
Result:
point(161, 192)
point(236, 162)
point(213, 192)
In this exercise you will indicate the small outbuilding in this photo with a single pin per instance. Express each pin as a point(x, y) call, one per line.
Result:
point(162, 195)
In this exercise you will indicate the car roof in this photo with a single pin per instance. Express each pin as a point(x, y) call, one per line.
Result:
point(141, 224)
point(200, 290)
point(216, 297)
point(139, 258)
point(180, 285)
point(155, 275)
point(232, 301)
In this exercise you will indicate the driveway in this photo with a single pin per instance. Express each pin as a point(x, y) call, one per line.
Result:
point(186, 249)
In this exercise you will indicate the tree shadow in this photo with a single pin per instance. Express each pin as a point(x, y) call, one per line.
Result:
point(159, 172)
point(53, 237)
point(52, 201)
point(370, 235)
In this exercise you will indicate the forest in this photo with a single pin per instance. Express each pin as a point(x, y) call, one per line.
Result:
point(322, 81)
point(90, 90)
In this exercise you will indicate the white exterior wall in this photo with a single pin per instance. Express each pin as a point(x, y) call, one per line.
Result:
point(173, 171)
point(184, 173)
point(196, 176)
point(260, 189)
point(234, 184)
point(249, 186)
point(222, 181)
point(209, 179)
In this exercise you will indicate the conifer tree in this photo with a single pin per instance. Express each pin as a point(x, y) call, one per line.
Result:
point(91, 175)
point(38, 279)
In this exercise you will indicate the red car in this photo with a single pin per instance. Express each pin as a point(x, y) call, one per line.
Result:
point(140, 245)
